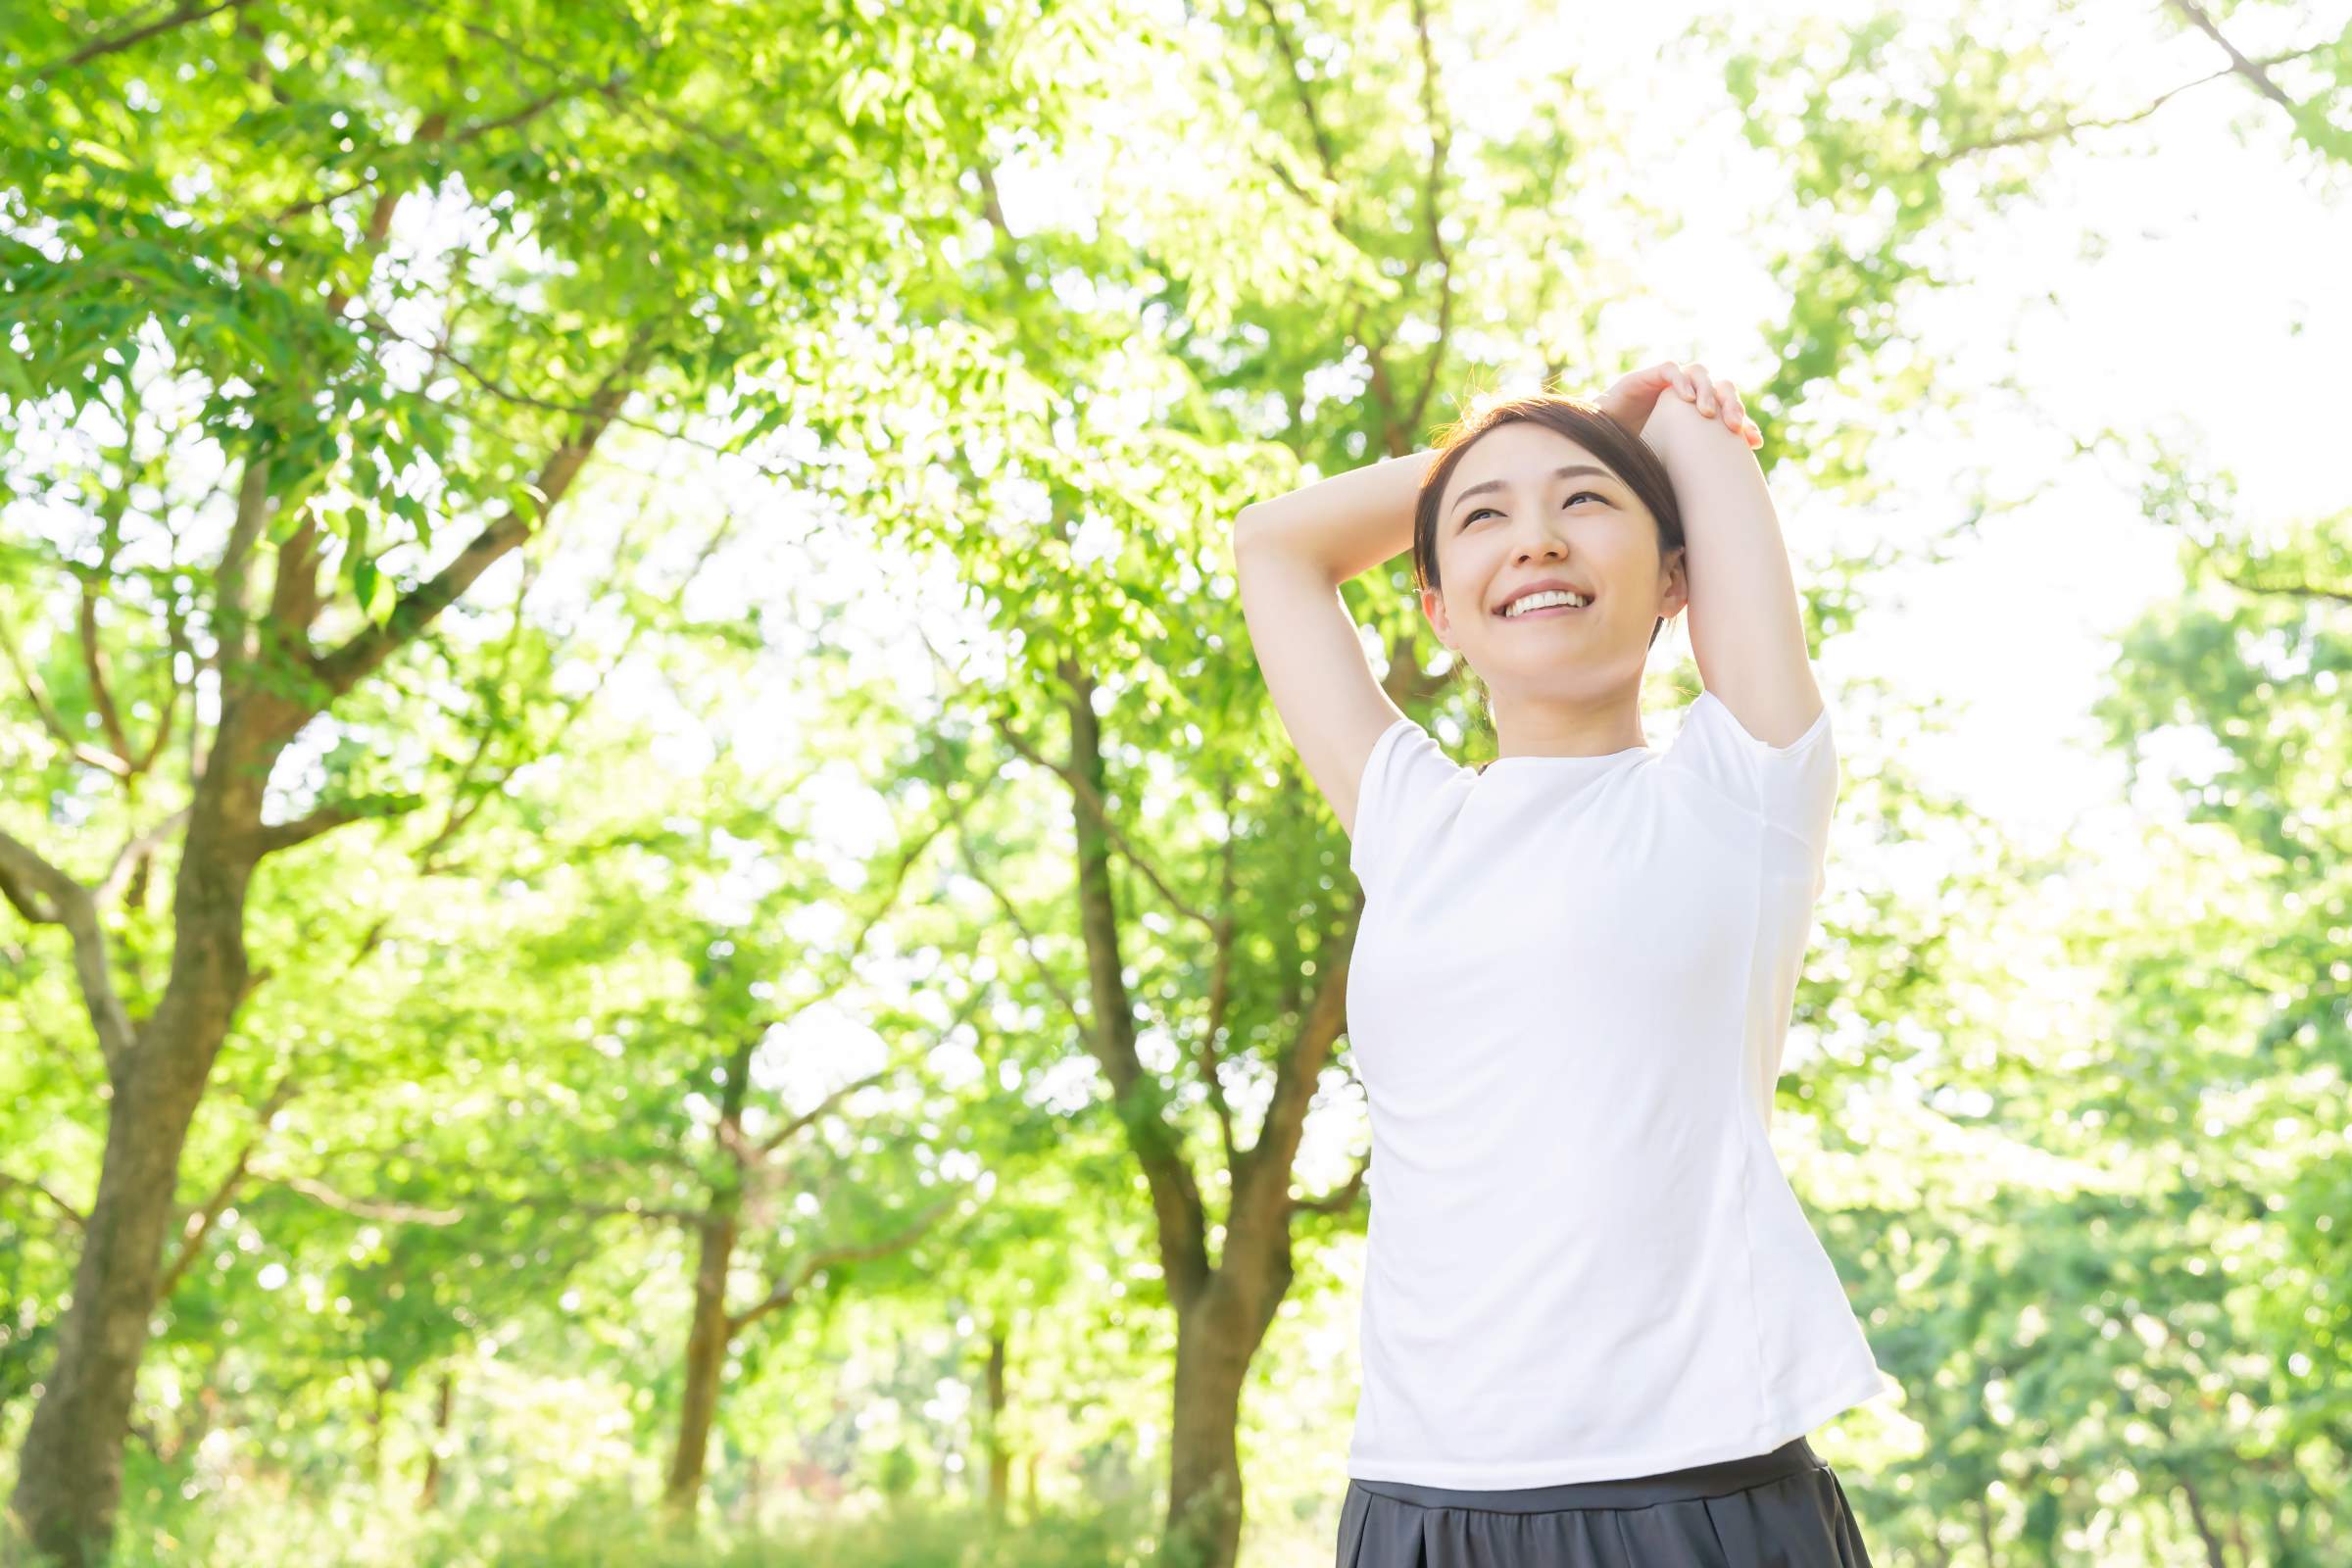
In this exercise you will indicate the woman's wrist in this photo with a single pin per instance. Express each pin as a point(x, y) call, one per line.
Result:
point(1681, 428)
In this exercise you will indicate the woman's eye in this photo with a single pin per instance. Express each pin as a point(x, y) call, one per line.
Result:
point(1581, 495)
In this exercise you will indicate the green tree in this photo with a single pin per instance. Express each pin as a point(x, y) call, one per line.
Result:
point(319, 287)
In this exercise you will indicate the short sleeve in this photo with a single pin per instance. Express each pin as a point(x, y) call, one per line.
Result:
point(1402, 780)
point(1793, 788)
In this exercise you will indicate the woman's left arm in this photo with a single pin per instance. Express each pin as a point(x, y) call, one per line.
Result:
point(1748, 628)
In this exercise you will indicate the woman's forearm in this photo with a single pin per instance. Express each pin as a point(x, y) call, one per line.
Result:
point(1718, 484)
point(1346, 523)
point(1745, 608)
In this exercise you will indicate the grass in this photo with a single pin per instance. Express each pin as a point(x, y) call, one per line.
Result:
point(608, 1529)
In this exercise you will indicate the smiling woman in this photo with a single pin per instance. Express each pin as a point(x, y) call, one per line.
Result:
point(1538, 493)
point(1596, 1326)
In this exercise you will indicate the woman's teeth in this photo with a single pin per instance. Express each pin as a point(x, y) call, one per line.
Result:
point(1543, 601)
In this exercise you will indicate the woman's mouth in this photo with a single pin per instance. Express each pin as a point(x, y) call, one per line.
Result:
point(1557, 606)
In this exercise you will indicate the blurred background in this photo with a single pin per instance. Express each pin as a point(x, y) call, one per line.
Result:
point(651, 910)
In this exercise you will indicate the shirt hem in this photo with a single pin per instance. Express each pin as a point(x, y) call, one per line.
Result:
point(1619, 1467)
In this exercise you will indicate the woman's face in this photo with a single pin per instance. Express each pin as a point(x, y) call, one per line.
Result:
point(1526, 504)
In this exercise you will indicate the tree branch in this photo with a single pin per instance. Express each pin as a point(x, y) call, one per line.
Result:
point(2293, 590)
point(1090, 799)
point(1220, 994)
point(73, 1215)
point(366, 1207)
point(817, 1262)
point(783, 1135)
point(635, 108)
point(433, 131)
point(81, 751)
point(2252, 69)
point(134, 853)
point(176, 640)
point(230, 609)
point(272, 837)
point(1139, 1098)
point(441, 351)
point(200, 1224)
point(28, 881)
point(1440, 138)
point(2065, 128)
point(422, 605)
point(1340, 1200)
point(93, 654)
point(180, 16)
point(632, 1209)
point(1021, 927)
point(1261, 1185)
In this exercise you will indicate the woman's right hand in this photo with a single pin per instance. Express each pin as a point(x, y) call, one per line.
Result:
point(1630, 399)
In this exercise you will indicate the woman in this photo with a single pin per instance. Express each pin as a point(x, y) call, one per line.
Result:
point(1596, 1326)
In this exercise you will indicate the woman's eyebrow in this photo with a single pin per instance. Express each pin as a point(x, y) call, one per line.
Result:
point(1568, 472)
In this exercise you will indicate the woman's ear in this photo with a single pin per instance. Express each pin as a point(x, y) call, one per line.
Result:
point(1432, 609)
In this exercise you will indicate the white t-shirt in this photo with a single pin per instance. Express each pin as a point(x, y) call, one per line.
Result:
point(1569, 993)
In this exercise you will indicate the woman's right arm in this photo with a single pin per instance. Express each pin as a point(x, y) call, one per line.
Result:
point(1292, 554)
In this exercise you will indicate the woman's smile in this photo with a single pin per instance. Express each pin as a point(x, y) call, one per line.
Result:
point(1546, 612)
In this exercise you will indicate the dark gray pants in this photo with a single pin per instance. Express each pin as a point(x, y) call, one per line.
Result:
point(1783, 1509)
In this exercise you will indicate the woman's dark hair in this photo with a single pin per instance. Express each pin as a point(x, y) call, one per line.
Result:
point(1622, 452)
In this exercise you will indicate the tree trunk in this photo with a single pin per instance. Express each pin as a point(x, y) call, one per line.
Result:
point(711, 1330)
point(428, 1495)
point(999, 1453)
point(70, 1477)
point(2215, 1557)
point(705, 1362)
point(382, 1384)
point(1215, 1338)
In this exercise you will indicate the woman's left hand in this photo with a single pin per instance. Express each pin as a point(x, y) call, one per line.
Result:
point(1631, 398)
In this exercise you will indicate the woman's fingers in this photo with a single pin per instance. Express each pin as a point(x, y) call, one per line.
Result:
point(1704, 385)
point(1726, 399)
point(1631, 398)
point(1715, 397)
point(1659, 377)
point(1734, 413)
